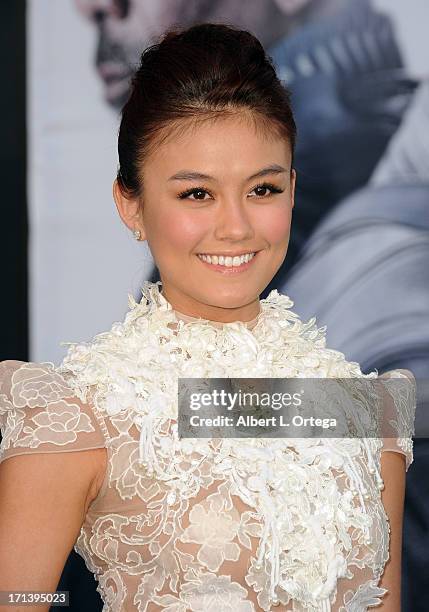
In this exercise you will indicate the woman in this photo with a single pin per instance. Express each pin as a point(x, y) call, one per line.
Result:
point(206, 177)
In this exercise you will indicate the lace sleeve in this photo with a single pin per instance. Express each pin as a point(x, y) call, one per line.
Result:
point(398, 412)
point(39, 412)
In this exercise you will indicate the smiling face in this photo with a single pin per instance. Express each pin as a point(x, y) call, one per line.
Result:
point(232, 212)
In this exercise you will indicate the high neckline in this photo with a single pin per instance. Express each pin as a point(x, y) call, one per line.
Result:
point(188, 318)
point(181, 316)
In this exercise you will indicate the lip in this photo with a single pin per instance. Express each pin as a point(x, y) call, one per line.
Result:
point(232, 269)
point(116, 79)
point(112, 70)
point(229, 254)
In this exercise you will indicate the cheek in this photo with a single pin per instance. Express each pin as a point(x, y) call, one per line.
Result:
point(274, 225)
point(184, 230)
point(181, 230)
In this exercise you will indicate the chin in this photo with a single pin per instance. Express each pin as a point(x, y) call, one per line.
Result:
point(116, 101)
point(234, 298)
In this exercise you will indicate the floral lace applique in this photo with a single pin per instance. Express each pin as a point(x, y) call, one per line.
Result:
point(40, 410)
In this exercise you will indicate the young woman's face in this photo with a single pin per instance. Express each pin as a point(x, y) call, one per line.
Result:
point(227, 213)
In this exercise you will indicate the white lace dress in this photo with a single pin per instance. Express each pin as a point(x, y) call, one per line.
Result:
point(210, 525)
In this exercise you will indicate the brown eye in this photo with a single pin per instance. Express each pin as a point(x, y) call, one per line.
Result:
point(261, 189)
point(198, 194)
point(195, 191)
point(267, 186)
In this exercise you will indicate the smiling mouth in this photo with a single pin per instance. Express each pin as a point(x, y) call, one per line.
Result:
point(228, 264)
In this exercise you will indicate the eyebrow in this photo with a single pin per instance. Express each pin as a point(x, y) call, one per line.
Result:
point(190, 175)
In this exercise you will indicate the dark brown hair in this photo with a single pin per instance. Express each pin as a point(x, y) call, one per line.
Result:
point(204, 72)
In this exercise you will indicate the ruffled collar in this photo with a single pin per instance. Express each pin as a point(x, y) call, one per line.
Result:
point(133, 370)
point(153, 300)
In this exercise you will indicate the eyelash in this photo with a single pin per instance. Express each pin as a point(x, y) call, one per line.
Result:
point(184, 194)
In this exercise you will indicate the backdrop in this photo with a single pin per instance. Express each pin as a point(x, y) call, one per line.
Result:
point(359, 250)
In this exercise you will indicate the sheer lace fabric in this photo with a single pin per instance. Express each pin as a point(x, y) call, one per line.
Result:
point(184, 525)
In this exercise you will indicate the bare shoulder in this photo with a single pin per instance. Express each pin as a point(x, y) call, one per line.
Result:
point(44, 498)
point(79, 473)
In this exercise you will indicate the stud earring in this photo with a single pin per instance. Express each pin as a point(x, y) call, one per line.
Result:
point(137, 234)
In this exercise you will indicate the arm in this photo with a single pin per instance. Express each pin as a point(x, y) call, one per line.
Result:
point(393, 474)
point(44, 498)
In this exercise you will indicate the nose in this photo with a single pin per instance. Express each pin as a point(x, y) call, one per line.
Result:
point(98, 10)
point(233, 223)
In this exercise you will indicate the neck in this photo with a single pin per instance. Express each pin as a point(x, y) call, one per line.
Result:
point(245, 315)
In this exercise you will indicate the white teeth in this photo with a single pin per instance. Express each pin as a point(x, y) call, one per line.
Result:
point(227, 261)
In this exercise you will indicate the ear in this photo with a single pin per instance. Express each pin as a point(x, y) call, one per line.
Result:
point(292, 186)
point(129, 210)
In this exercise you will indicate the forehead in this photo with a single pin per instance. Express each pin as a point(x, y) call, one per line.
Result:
point(224, 147)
